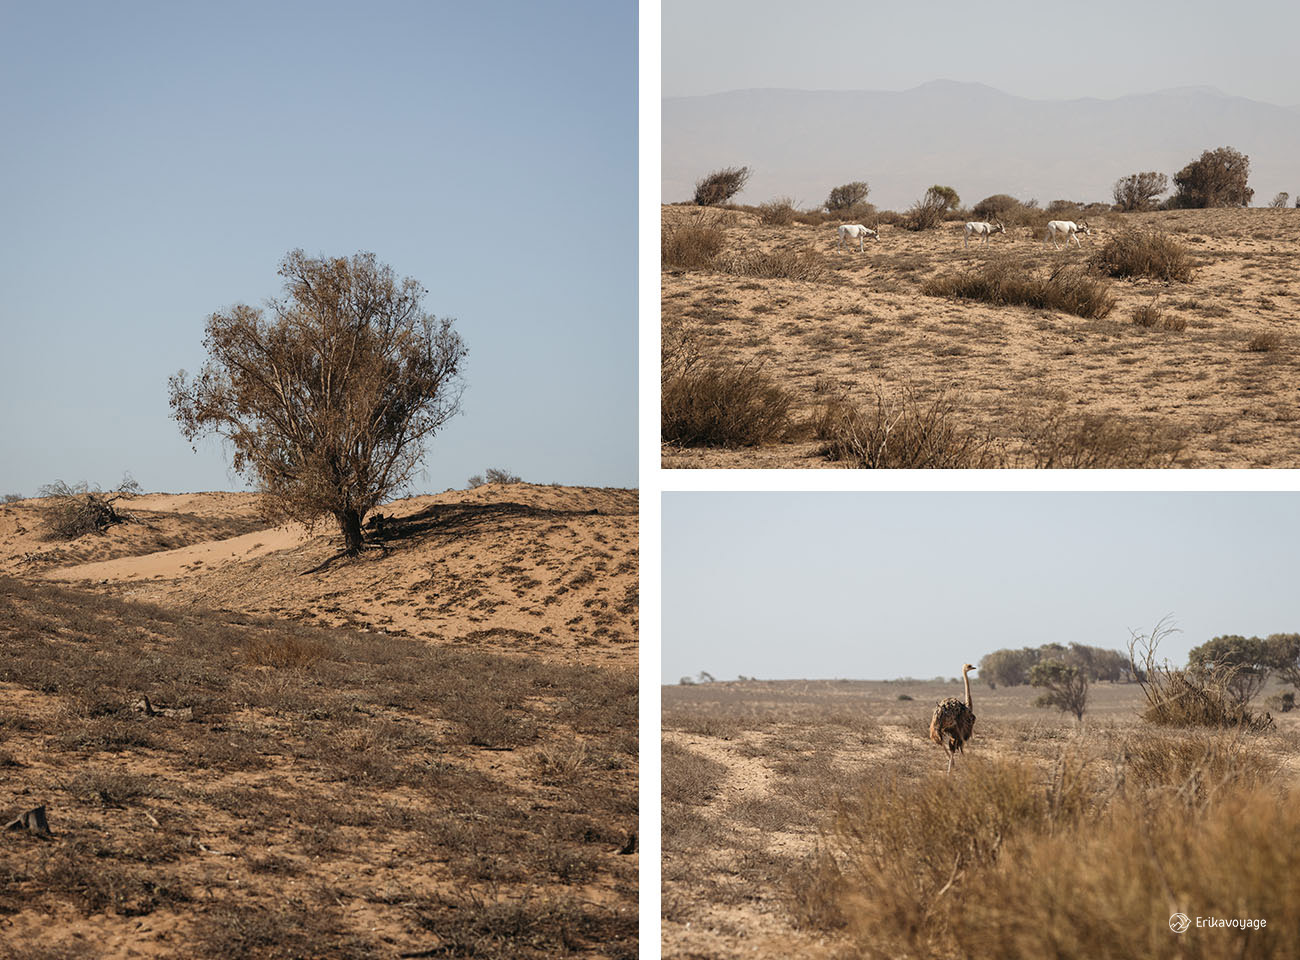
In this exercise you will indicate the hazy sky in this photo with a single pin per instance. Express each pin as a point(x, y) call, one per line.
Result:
point(159, 159)
point(1031, 48)
point(885, 585)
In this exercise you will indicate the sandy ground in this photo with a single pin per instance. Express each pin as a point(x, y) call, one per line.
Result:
point(544, 577)
point(786, 750)
point(549, 570)
point(867, 325)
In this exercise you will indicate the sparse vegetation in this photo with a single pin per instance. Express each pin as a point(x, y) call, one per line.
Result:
point(777, 265)
point(1279, 201)
point(717, 402)
point(1141, 253)
point(720, 186)
point(1008, 282)
point(901, 432)
point(496, 475)
point(1058, 438)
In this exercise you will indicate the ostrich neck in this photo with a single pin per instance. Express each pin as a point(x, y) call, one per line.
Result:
point(965, 676)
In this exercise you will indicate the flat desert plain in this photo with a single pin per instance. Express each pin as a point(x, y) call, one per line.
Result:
point(797, 823)
point(248, 745)
point(1223, 391)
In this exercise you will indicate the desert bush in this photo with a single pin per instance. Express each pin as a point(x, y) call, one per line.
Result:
point(12, 498)
point(1245, 662)
point(1280, 200)
point(714, 402)
point(1143, 253)
point(1265, 341)
point(847, 196)
point(783, 264)
point(1065, 686)
point(1058, 438)
point(1148, 314)
point(74, 510)
point(1000, 206)
point(777, 213)
point(891, 217)
point(691, 246)
point(901, 432)
point(720, 186)
point(1138, 191)
point(1009, 282)
point(1283, 702)
point(1216, 179)
point(928, 212)
point(1188, 698)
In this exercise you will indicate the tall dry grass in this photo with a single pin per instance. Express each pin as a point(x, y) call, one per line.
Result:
point(1085, 859)
point(1010, 282)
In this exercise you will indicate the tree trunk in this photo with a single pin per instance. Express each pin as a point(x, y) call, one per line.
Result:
point(350, 523)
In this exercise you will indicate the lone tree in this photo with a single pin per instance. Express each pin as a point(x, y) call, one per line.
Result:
point(720, 186)
point(1138, 191)
point(1065, 686)
point(847, 196)
point(329, 400)
point(1217, 179)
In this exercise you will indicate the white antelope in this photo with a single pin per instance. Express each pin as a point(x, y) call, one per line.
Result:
point(856, 231)
point(983, 231)
point(1070, 229)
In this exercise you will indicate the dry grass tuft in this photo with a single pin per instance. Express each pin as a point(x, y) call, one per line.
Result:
point(718, 403)
point(1009, 282)
point(1143, 253)
point(903, 432)
point(1060, 439)
point(691, 246)
point(777, 213)
point(778, 265)
point(1264, 342)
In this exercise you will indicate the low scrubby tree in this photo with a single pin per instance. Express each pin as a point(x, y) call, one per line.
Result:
point(928, 212)
point(1242, 663)
point(997, 207)
point(1064, 686)
point(720, 185)
point(329, 402)
point(847, 196)
point(1218, 178)
point(1138, 191)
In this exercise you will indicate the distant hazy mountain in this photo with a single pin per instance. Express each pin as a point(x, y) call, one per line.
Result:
point(979, 140)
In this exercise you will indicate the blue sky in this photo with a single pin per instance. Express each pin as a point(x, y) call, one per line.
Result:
point(160, 159)
point(1032, 48)
point(885, 585)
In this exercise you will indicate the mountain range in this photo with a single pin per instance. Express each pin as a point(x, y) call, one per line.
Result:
point(977, 139)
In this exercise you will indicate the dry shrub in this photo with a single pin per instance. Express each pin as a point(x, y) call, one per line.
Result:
point(720, 186)
point(1005, 281)
point(1174, 323)
point(710, 401)
point(902, 432)
point(1264, 342)
point(1143, 253)
point(286, 651)
point(777, 213)
point(971, 865)
point(74, 510)
point(1148, 314)
point(1186, 698)
point(691, 246)
point(778, 265)
point(1058, 438)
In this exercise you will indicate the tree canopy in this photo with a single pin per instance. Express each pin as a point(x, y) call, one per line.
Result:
point(329, 397)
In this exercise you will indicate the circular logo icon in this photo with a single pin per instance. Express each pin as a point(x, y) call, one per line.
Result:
point(1179, 923)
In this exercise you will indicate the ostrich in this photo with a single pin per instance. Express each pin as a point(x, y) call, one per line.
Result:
point(954, 720)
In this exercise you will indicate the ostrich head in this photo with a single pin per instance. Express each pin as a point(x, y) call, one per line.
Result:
point(967, 668)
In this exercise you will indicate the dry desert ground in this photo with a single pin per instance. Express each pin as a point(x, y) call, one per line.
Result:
point(814, 819)
point(248, 745)
point(1223, 391)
